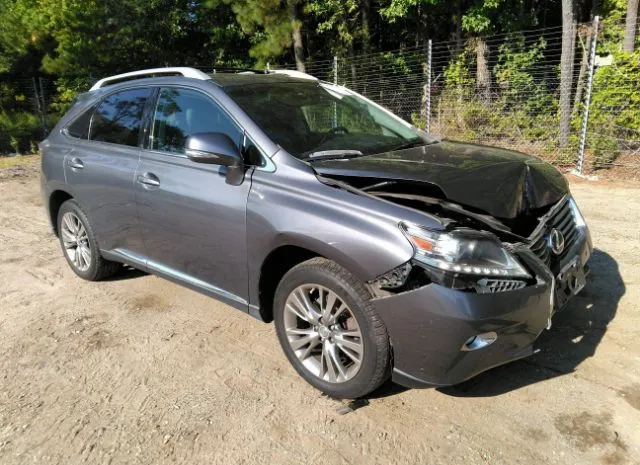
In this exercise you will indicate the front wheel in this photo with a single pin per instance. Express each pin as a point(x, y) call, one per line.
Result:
point(330, 331)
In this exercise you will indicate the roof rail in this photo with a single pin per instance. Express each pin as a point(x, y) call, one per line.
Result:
point(183, 71)
point(293, 73)
point(239, 70)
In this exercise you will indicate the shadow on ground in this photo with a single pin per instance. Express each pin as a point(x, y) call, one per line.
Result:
point(576, 333)
point(125, 273)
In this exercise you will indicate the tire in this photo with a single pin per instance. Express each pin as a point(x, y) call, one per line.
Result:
point(93, 268)
point(333, 346)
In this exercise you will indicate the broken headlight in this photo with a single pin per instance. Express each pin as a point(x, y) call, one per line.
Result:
point(463, 252)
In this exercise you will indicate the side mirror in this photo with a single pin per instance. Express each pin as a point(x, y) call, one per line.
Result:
point(217, 149)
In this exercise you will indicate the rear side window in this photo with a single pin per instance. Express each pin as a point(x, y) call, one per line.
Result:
point(79, 128)
point(181, 112)
point(119, 117)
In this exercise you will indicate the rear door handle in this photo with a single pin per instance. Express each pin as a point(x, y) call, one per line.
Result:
point(149, 179)
point(75, 163)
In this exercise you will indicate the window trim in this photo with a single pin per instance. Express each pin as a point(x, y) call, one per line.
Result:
point(267, 163)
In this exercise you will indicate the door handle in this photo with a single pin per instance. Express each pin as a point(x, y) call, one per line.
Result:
point(148, 179)
point(75, 163)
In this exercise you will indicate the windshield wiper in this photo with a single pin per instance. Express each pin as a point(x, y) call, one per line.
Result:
point(332, 155)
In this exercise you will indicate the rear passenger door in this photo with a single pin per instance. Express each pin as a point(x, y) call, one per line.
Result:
point(192, 221)
point(101, 164)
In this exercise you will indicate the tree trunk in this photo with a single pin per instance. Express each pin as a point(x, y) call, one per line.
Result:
point(365, 11)
point(458, 21)
point(354, 75)
point(566, 71)
point(630, 28)
point(483, 78)
point(296, 37)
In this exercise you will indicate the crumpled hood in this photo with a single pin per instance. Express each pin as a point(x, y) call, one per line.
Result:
point(500, 182)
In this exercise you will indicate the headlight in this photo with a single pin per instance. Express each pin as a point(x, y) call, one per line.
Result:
point(580, 223)
point(461, 252)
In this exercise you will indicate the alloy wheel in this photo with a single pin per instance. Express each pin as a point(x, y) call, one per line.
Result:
point(76, 241)
point(323, 333)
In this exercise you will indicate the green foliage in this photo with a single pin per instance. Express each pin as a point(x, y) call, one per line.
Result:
point(74, 42)
point(612, 26)
point(522, 114)
point(614, 118)
point(397, 9)
point(17, 131)
point(518, 76)
point(267, 24)
point(67, 88)
point(84, 37)
point(338, 19)
point(478, 18)
point(457, 77)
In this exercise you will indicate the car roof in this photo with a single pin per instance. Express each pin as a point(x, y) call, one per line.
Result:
point(243, 79)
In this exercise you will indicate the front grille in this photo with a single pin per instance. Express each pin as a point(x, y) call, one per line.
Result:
point(490, 286)
point(563, 220)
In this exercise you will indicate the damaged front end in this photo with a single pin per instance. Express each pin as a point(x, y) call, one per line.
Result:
point(477, 252)
point(478, 291)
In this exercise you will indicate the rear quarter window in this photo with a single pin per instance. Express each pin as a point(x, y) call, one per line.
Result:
point(79, 127)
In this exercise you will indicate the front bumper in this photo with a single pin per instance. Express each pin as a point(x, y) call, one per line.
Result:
point(428, 326)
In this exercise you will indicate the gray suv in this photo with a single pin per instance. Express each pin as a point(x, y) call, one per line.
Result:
point(377, 249)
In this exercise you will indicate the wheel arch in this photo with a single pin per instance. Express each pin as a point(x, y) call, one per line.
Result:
point(56, 199)
point(292, 249)
point(274, 267)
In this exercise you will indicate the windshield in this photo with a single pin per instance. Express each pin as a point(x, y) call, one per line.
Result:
point(310, 119)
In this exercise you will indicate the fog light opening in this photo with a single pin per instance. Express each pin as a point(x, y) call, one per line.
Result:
point(479, 341)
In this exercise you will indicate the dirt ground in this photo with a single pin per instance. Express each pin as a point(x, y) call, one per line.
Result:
point(140, 370)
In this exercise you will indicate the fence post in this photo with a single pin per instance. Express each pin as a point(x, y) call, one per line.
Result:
point(335, 81)
point(587, 100)
point(427, 125)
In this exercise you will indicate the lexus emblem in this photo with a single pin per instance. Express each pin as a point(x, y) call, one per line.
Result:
point(556, 241)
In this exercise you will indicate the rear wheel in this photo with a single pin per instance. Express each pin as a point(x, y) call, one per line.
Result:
point(329, 330)
point(79, 244)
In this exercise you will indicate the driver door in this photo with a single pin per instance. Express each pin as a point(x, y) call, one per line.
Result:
point(192, 222)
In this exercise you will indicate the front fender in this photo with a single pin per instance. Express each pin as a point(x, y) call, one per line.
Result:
point(291, 207)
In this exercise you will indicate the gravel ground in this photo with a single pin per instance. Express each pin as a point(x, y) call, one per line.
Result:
point(139, 370)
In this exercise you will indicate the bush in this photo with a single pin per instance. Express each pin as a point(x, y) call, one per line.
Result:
point(522, 112)
point(614, 121)
point(18, 131)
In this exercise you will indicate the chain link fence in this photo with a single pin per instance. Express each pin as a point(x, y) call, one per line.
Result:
point(501, 90)
point(504, 90)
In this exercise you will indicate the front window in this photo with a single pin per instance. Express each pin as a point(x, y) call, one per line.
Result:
point(308, 118)
point(182, 112)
